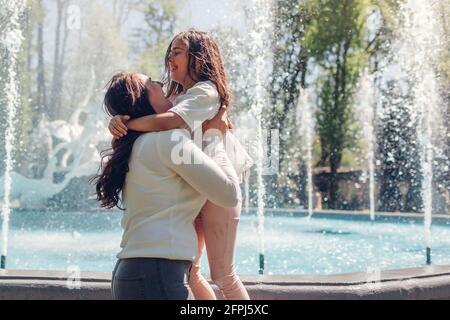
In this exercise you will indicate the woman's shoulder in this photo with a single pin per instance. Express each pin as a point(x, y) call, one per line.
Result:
point(157, 136)
point(161, 142)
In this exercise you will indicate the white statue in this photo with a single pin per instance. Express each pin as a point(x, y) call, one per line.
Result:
point(76, 155)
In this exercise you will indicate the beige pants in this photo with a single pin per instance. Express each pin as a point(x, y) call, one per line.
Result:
point(217, 229)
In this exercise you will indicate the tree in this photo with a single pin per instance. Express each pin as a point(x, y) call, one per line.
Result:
point(59, 57)
point(101, 50)
point(442, 167)
point(41, 92)
point(121, 10)
point(338, 43)
point(400, 151)
point(151, 40)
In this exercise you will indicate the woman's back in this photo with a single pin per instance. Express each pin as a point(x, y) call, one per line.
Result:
point(162, 195)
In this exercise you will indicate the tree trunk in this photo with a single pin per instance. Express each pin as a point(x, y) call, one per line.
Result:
point(323, 153)
point(41, 87)
point(334, 149)
point(335, 162)
point(340, 94)
point(58, 67)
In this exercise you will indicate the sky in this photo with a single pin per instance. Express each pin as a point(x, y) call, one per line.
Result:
point(204, 15)
point(208, 14)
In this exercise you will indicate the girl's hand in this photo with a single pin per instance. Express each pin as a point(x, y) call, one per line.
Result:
point(117, 126)
point(219, 122)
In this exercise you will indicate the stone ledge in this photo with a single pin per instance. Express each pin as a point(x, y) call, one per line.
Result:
point(431, 282)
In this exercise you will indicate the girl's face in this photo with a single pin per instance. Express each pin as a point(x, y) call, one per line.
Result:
point(178, 62)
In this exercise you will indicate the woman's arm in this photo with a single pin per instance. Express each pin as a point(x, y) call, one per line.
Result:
point(214, 177)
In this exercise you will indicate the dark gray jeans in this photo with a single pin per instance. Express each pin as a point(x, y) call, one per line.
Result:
point(151, 279)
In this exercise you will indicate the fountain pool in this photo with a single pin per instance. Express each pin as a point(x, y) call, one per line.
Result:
point(402, 107)
point(330, 243)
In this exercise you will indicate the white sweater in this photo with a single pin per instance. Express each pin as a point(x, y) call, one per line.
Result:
point(164, 192)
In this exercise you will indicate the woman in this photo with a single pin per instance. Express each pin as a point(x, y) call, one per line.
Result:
point(197, 87)
point(162, 195)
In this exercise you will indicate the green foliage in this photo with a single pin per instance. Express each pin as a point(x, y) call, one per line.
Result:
point(335, 40)
point(324, 44)
point(151, 61)
point(153, 38)
point(101, 50)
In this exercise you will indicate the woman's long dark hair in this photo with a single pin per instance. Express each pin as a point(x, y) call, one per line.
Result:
point(126, 94)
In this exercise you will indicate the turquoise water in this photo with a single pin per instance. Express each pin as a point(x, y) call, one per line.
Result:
point(293, 245)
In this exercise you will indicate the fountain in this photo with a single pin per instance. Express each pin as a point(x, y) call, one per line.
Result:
point(72, 152)
point(258, 36)
point(10, 41)
point(247, 194)
point(418, 50)
point(332, 243)
point(366, 101)
point(306, 124)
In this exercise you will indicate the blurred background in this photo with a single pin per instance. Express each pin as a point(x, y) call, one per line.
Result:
point(343, 105)
point(325, 49)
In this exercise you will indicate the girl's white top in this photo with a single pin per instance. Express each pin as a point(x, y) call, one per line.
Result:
point(200, 103)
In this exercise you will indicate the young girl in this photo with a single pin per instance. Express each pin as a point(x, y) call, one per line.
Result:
point(197, 88)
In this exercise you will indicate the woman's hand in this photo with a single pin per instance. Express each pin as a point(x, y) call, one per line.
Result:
point(117, 126)
point(219, 122)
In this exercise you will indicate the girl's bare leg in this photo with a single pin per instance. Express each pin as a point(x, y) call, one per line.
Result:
point(220, 231)
point(200, 287)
